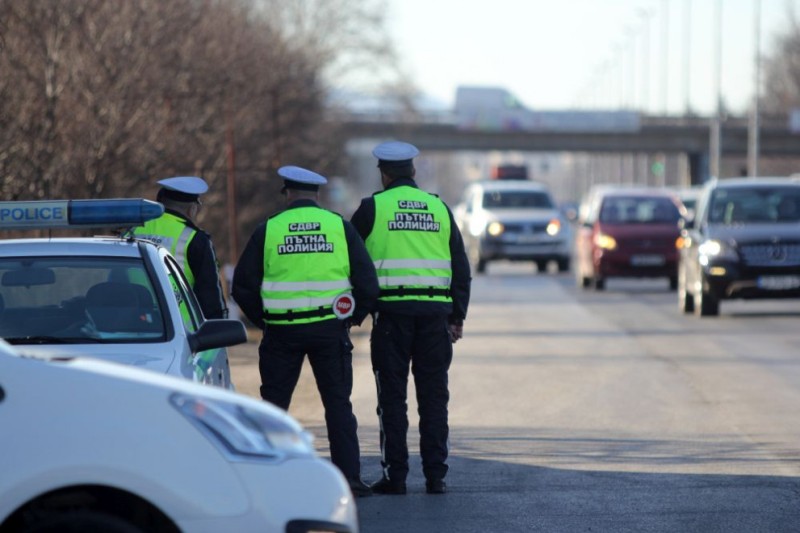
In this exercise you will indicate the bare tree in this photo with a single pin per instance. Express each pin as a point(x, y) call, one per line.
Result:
point(100, 99)
point(782, 71)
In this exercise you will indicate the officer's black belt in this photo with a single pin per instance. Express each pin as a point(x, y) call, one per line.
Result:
point(416, 291)
point(299, 315)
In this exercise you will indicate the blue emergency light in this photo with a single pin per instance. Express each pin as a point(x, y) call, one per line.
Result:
point(49, 214)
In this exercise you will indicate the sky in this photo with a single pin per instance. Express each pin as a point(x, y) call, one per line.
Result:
point(589, 54)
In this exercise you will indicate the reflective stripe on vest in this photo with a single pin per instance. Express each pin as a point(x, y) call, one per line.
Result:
point(172, 233)
point(410, 245)
point(306, 266)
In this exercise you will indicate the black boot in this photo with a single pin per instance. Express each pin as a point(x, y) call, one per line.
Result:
point(359, 488)
point(387, 486)
point(435, 486)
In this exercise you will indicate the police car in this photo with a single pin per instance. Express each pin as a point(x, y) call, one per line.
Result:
point(116, 297)
point(94, 446)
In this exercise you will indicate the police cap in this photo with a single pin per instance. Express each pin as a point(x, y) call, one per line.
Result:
point(395, 154)
point(300, 178)
point(183, 188)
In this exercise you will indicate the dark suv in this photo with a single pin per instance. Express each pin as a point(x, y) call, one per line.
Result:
point(743, 243)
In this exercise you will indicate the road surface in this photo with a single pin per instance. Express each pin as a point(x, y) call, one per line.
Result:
point(575, 410)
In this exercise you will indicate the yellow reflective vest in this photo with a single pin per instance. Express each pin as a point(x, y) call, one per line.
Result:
point(172, 233)
point(306, 266)
point(410, 245)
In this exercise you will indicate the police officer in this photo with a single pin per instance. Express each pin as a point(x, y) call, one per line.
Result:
point(191, 246)
point(424, 292)
point(305, 276)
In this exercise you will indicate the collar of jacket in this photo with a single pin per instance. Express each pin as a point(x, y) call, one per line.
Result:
point(303, 202)
point(183, 218)
point(400, 182)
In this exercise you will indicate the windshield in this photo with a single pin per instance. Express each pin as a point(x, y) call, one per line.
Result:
point(756, 205)
point(517, 200)
point(638, 210)
point(58, 300)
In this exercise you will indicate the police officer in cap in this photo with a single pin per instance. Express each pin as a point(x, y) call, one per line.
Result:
point(305, 277)
point(424, 292)
point(191, 246)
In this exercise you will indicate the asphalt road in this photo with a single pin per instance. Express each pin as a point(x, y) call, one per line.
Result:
point(575, 410)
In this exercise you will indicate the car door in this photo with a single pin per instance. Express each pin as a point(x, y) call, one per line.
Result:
point(209, 366)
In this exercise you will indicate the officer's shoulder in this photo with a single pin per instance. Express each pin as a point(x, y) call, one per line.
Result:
point(273, 215)
point(201, 232)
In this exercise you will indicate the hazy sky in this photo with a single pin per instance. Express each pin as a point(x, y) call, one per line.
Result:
point(560, 54)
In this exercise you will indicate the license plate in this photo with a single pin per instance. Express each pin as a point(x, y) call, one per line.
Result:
point(647, 260)
point(528, 239)
point(778, 283)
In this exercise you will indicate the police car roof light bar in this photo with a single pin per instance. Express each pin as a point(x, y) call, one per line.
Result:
point(50, 214)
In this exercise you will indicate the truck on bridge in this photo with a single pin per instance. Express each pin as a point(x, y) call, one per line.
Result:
point(496, 109)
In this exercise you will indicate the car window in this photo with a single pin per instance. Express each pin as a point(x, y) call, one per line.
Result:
point(77, 300)
point(516, 200)
point(638, 210)
point(755, 205)
point(187, 303)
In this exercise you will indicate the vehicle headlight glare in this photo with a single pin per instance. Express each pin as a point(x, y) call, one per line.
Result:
point(553, 227)
point(495, 228)
point(717, 249)
point(243, 431)
point(606, 242)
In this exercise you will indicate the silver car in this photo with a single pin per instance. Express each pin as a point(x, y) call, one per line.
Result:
point(514, 220)
point(115, 298)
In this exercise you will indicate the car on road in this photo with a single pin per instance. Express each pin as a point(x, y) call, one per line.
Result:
point(743, 243)
point(628, 232)
point(90, 445)
point(514, 220)
point(113, 297)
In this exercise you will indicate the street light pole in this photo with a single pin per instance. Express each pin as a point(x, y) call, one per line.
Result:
point(687, 55)
point(716, 123)
point(753, 125)
point(664, 55)
point(645, 14)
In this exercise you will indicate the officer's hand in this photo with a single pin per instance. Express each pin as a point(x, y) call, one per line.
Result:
point(456, 332)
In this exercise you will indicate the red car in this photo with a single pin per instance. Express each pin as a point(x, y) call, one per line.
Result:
point(627, 232)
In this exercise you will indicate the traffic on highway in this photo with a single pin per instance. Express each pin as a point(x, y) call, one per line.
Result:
point(544, 362)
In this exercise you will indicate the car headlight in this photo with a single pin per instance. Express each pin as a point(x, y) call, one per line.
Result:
point(553, 227)
point(606, 242)
point(242, 431)
point(495, 228)
point(716, 250)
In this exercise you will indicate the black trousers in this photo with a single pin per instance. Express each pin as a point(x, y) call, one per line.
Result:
point(330, 354)
point(421, 342)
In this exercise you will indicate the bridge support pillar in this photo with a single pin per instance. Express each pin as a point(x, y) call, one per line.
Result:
point(698, 167)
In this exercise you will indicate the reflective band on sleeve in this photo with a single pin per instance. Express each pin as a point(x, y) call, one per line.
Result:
point(412, 263)
point(305, 285)
point(395, 281)
point(180, 248)
point(296, 303)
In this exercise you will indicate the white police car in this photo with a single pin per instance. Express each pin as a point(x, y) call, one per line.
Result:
point(94, 446)
point(115, 298)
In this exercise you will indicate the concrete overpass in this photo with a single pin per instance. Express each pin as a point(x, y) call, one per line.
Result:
point(657, 135)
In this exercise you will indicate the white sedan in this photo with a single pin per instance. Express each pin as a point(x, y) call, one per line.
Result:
point(112, 297)
point(90, 445)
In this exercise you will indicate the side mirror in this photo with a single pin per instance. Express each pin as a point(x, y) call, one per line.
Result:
point(217, 333)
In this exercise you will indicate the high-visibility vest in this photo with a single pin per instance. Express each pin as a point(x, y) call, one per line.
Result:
point(172, 233)
point(306, 266)
point(410, 245)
